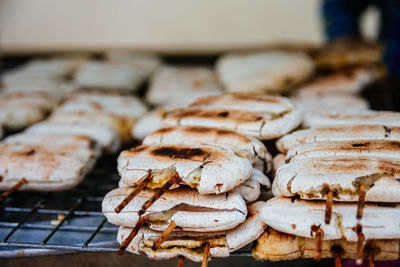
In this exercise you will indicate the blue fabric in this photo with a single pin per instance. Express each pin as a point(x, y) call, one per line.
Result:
point(341, 19)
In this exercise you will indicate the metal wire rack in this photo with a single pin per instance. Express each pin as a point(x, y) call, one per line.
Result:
point(69, 221)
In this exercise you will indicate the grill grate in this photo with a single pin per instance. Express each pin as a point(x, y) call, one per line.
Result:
point(68, 221)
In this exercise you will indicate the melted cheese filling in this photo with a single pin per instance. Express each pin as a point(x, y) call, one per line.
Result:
point(191, 245)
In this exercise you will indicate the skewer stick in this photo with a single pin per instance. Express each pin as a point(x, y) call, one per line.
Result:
point(164, 235)
point(173, 180)
point(338, 261)
point(140, 186)
point(371, 260)
point(181, 261)
point(337, 252)
point(319, 234)
point(13, 189)
point(206, 255)
point(328, 209)
point(360, 244)
point(130, 237)
point(361, 201)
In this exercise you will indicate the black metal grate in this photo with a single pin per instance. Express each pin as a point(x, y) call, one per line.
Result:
point(68, 221)
point(62, 220)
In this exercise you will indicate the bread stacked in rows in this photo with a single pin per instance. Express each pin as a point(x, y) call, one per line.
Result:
point(210, 160)
point(30, 92)
point(56, 154)
point(338, 185)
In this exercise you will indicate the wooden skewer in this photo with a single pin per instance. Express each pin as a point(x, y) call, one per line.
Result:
point(181, 261)
point(130, 237)
point(337, 252)
point(338, 261)
point(328, 208)
point(173, 180)
point(164, 235)
point(371, 260)
point(140, 186)
point(361, 201)
point(360, 244)
point(13, 189)
point(319, 234)
point(206, 255)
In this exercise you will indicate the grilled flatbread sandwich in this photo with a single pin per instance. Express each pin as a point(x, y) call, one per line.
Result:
point(106, 137)
point(338, 133)
point(263, 72)
point(197, 135)
point(186, 207)
point(209, 169)
point(191, 244)
point(181, 85)
point(351, 118)
point(264, 117)
point(298, 217)
point(277, 246)
point(45, 168)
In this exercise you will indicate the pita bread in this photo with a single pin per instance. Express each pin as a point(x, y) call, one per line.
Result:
point(264, 117)
point(328, 102)
point(278, 246)
point(196, 135)
point(212, 170)
point(45, 69)
point(250, 190)
point(106, 137)
point(45, 169)
point(56, 141)
point(17, 117)
point(264, 72)
point(110, 75)
point(338, 133)
point(181, 85)
point(349, 81)
point(383, 149)
point(144, 61)
point(297, 216)
point(314, 178)
point(54, 88)
point(346, 53)
point(121, 105)
point(115, 123)
point(148, 123)
point(363, 117)
point(188, 209)
point(190, 244)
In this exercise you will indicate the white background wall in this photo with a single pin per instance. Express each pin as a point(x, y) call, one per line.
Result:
point(162, 25)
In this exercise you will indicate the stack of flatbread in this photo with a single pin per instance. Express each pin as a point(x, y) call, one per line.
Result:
point(344, 69)
point(184, 191)
point(201, 179)
point(336, 190)
point(263, 72)
point(338, 91)
point(57, 153)
point(264, 117)
point(172, 88)
point(30, 92)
